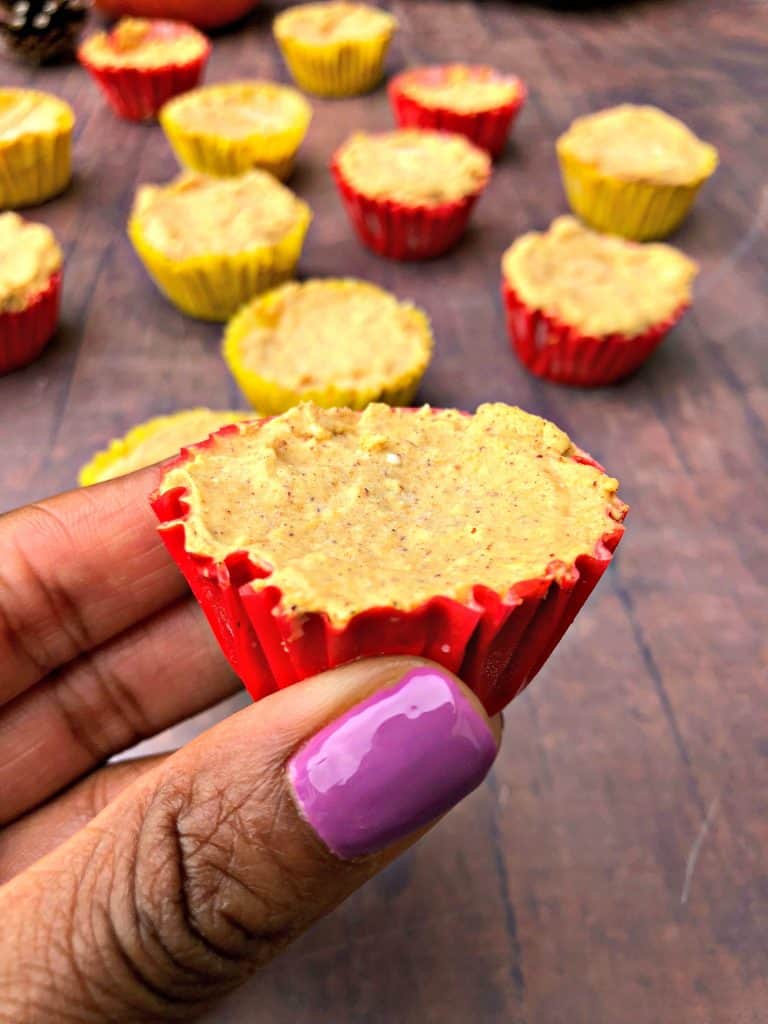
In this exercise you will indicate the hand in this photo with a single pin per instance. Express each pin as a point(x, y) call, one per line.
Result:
point(149, 887)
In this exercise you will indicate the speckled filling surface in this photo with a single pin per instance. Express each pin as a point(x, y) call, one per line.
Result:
point(389, 507)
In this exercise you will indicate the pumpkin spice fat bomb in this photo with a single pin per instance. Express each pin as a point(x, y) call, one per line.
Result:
point(213, 243)
point(633, 170)
point(233, 127)
point(409, 193)
point(142, 63)
point(325, 535)
point(30, 287)
point(585, 308)
point(335, 49)
point(35, 147)
point(337, 342)
point(156, 439)
point(475, 101)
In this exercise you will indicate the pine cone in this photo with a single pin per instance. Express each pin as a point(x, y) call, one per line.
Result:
point(43, 31)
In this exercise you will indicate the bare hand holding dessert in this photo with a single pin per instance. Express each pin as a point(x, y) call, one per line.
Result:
point(323, 536)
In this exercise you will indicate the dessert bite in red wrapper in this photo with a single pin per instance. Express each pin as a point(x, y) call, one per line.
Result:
point(325, 535)
point(409, 193)
point(30, 287)
point(143, 62)
point(475, 101)
point(588, 309)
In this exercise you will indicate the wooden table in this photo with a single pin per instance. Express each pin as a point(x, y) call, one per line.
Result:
point(614, 870)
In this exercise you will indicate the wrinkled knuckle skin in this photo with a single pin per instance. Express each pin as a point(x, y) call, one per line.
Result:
point(212, 898)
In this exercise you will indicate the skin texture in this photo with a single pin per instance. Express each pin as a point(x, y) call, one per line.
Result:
point(143, 890)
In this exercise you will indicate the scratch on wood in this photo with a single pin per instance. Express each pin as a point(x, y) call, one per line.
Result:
point(695, 850)
point(708, 280)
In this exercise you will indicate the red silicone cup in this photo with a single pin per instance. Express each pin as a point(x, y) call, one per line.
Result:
point(24, 334)
point(495, 644)
point(562, 354)
point(404, 232)
point(137, 94)
point(488, 129)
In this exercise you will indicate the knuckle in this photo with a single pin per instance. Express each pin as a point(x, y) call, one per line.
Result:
point(214, 894)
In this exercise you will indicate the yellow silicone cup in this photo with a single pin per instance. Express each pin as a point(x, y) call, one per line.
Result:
point(98, 468)
point(36, 165)
point(638, 210)
point(270, 397)
point(216, 154)
point(214, 286)
point(334, 69)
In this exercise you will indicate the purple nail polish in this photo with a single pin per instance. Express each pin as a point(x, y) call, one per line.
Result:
point(391, 764)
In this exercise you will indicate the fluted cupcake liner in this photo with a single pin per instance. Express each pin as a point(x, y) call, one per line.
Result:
point(24, 334)
point(400, 231)
point(637, 210)
point(271, 397)
point(332, 69)
point(488, 129)
point(495, 644)
point(214, 286)
point(35, 167)
point(563, 354)
point(137, 94)
point(222, 156)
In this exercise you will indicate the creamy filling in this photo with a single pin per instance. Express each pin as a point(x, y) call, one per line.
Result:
point(196, 215)
point(334, 22)
point(413, 166)
point(467, 90)
point(641, 143)
point(29, 256)
point(599, 283)
point(163, 437)
point(145, 43)
point(390, 507)
point(25, 111)
point(347, 333)
point(239, 109)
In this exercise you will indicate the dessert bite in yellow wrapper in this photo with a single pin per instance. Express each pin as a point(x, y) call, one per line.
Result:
point(335, 49)
point(156, 439)
point(35, 147)
point(210, 244)
point(633, 170)
point(336, 342)
point(233, 127)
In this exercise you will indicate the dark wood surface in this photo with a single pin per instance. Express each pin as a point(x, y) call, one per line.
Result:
point(614, 870)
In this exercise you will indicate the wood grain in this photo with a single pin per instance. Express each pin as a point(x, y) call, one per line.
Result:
point(615, 868)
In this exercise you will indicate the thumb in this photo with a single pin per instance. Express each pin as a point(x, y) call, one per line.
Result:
point(212, 862)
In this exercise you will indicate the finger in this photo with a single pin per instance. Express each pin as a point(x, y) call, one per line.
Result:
point(26, 841)
point(164, 669)
point(210, 864)
point(76, 570)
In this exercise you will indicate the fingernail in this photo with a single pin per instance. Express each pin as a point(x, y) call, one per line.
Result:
point(391, 764)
